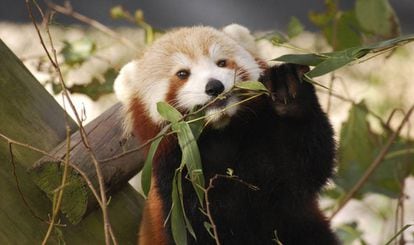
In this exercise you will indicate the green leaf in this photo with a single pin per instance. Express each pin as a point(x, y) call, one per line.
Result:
point(302, 59)
point(188, 144)
point(400, 153)
point(274, 37)
point(77, 52)
point(334, 62)
point(147, 169)
point(341, 29)
point(358, 148)
point(349, 233)
point(168, 112)
point(181, 196)
point(377, 17)
point(209, 229)
point(346, 33)
point(190, 157)
point(98, 86)
point(295, 27)
point(328, 62)
point(178, 227)
point(387, 44)
point(251, 85)
point(198, 125)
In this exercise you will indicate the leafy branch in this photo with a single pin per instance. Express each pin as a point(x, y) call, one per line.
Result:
point(374, 165)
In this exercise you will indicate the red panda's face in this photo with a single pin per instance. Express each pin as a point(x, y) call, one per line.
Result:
point(198, 80)
point(187, 68)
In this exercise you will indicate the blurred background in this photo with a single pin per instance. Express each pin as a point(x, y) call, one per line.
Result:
point(359, 99)
point(256, 15)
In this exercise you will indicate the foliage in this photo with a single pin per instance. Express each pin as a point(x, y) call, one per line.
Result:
point(359, 146)
point(329, 62)
point(345, 29)
point(77, 52)
point(349, 233)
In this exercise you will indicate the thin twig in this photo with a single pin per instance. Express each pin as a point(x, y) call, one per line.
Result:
point(340, 97)
point(58, 196)
point(68, 11)
point(330, 86)
point(45, 153)
point(373, 166)
point(208, 204)
point(19, 189)
point(393, 112)
point(140, 147)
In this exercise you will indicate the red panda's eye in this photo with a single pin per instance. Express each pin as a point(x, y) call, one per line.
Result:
point(182, 74)
point(222, 63)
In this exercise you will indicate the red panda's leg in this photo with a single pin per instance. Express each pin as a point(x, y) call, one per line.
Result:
point(152, 231)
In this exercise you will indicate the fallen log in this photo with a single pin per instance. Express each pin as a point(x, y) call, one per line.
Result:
point(105, 136)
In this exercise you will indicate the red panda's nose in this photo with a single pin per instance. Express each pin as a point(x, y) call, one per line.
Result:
point(214, 87)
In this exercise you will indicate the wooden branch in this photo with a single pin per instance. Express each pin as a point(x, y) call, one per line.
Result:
point(105, 138)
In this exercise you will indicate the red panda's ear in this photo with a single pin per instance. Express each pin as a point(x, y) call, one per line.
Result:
point(123, 83)
point(242, 36)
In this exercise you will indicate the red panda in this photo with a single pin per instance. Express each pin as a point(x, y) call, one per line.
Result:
point(282, 144)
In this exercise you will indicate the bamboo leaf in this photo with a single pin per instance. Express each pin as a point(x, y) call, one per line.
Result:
point(302, 59)
point(330, 65)
point(190, 157)
point(251, 85)
point(181, 196)
point(387, 44)
point(168, 112)
point(178, 227)
point(147, 169)
point(328, 62)
point(197, 126)
point(209, 229)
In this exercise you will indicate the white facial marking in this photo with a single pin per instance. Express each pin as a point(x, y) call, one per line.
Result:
point(193, 92)
point(214, 51)
point(181, 60)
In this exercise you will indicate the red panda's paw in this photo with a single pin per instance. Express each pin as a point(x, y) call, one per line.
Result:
point(289, 92)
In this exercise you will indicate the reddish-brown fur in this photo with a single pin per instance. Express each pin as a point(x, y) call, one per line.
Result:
point(144, 128)
point(152, 230)
point(175, 85)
